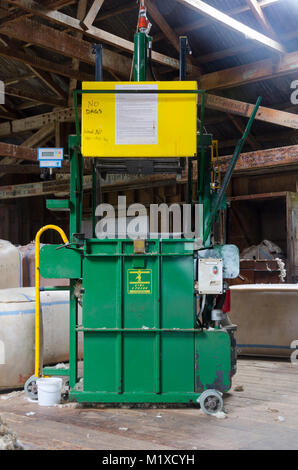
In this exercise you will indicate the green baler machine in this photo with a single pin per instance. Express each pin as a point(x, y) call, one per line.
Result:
point(151, 333)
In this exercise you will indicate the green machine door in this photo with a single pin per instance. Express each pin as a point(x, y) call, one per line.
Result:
point(134, 308)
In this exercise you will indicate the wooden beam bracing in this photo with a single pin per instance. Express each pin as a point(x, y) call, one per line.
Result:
point(36, 122)
point(163, 24)
point(272, 158)
point(15, 151)
point(64, 44)
point(40, 136)
point(81, 11)
point(92, 14)
point(250, 73)
point(260, 17)
point(42, 64)
point(67, 21)
point(34, 96)
point(239, 108)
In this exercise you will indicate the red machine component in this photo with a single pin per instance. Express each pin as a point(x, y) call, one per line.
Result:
point(227, 305)
point(144, 24)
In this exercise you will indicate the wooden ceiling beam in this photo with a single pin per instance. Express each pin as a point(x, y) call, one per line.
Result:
point(42, 64)
point(241, 108)
point(250, 73)
point(260, 17)
point(81, 12)
point(67, 21)
point(16, 151)
point(36, 122)
point(34, 96)
point(49, 82)
point(19, 14)
point(163, 25)
point(281, 156)
point(92, 14)
point(37, 138)
point(64, 44)
point(219, 103)
point(264, 159)
point(240, 126)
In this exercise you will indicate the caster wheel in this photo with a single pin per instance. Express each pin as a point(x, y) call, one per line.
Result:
point(65, 394)
point(211, 402)
point(31, 388)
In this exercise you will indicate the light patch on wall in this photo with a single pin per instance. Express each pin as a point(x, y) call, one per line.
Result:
point(2, 92)
point(2, 353)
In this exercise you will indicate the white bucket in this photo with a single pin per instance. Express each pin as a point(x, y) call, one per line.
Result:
point(49, 391)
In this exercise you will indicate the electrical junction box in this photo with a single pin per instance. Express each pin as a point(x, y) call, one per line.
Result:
point(139, 124)
point(210, 276)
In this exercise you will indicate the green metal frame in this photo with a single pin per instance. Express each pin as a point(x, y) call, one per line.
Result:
point(204, 358)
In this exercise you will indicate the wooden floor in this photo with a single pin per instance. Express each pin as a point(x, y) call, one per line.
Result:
point(262, 416)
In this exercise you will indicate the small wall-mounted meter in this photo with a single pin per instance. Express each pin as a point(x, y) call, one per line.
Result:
point(50, 157)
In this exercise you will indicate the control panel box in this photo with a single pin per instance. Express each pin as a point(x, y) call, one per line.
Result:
point(210, 276)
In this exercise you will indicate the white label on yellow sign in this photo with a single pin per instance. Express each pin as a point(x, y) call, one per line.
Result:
point(136, 116)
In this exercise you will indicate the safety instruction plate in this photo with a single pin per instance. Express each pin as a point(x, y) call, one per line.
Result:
point(139, 281)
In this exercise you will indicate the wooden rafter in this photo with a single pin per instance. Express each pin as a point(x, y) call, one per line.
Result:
point(92, 14)
point(36, 122)
point(278, 157)
point(229, 22)
point(240, 126)
point(49, 82)
point(41, 135)
point(81, 11)
point(249, 73)
point(42, 64)
point(163, 24)
point(19, 14)
point(218, 103)
point(34, 96)
point(67, 21)
point(13, 151)
point(260, 17)
point(61, 43)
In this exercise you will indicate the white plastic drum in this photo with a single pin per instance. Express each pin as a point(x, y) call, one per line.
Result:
point(17, 331)
point(10, 265)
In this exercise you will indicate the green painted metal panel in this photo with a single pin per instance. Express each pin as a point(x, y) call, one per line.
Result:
point(57, 262)
point(213, 360)
point(166, 360)
point(177, 313)
point(99, 362)
point(58, 204)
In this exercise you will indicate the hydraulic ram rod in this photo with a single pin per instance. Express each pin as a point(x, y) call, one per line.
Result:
point(230, 170)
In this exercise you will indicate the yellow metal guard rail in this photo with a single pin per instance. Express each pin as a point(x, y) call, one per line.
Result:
point(37, 291)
